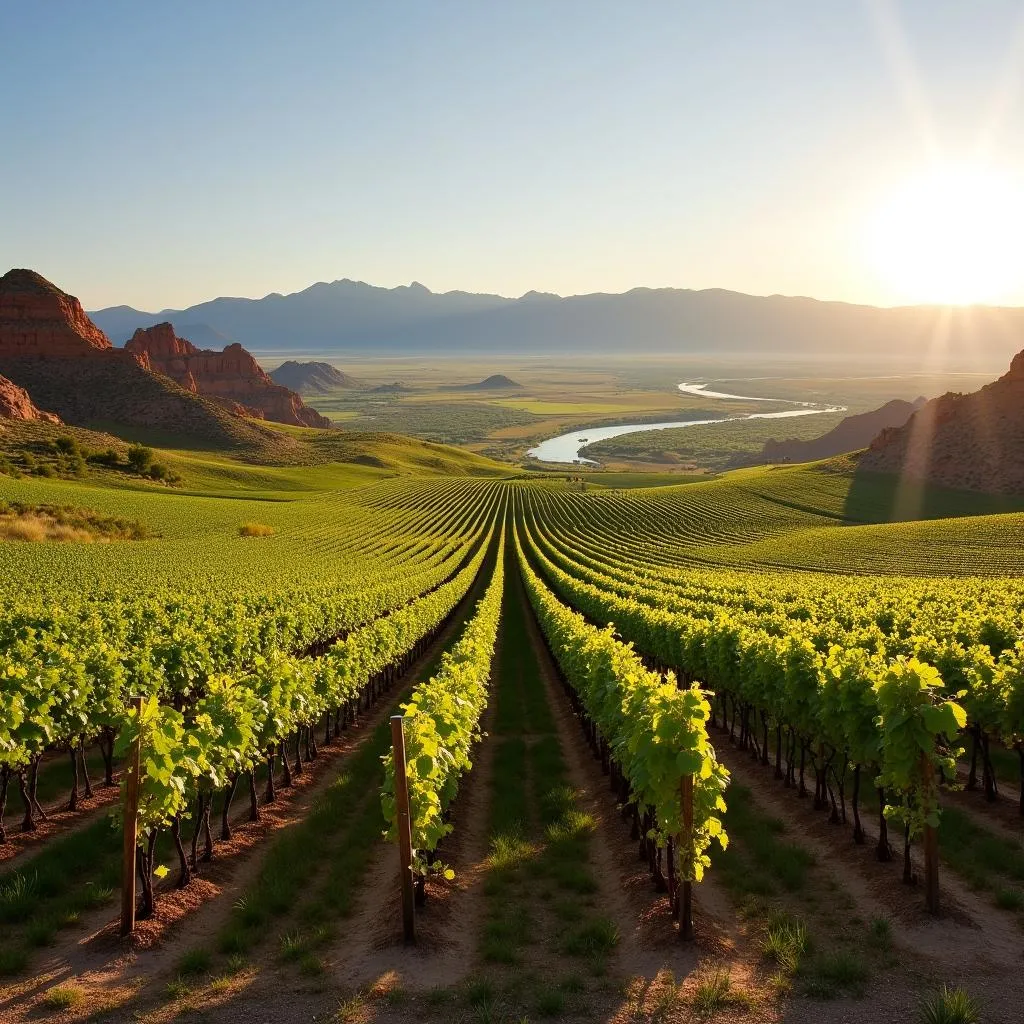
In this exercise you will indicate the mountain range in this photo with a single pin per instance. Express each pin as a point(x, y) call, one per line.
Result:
point(352, 317)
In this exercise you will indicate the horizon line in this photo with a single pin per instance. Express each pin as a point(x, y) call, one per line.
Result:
point(417, 285)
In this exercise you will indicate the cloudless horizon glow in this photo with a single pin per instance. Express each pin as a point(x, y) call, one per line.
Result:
point(159, 156)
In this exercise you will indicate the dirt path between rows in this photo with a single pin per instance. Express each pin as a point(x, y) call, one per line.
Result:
point(1001, 816)
point(970, 942)
point(650, 956)
point(22, 846)
point(370, 955)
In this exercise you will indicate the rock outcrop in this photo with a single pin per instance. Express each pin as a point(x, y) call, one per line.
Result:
point(973, 441)
point(850, 434)
point(232, 377)
point(16, 405)
point(312, 378)
point(38, 319)
point(51, 350)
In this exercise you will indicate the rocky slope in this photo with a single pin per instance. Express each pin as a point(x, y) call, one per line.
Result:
point(16, 405)
point(50, 348)
point(312, 378)
point(973, 441)
point(232, 377)
point(852, 433)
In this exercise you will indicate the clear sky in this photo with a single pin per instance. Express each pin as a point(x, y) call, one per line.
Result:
point(162, 154)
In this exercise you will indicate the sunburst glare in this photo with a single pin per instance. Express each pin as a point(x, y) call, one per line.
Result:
point(951, 236)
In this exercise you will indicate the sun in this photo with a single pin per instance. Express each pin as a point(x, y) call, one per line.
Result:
point(952, 236)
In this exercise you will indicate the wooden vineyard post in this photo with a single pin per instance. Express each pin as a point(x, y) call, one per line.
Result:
point(931, 845)
point(685, 853)
point(404, 830)
point(131, 828)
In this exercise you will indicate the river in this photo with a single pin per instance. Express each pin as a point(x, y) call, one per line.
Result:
point(566, 447)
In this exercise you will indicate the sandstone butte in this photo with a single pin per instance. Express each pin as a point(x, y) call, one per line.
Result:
point(973, 441)
point(232, 377)
point(37, 319)
point(16, 405)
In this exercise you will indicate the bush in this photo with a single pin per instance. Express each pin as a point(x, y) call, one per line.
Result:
point(140, 458)
point(67, 445)
point(255, 530)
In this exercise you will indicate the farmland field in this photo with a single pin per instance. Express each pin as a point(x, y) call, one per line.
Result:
point(676, 748)
point(432, 400)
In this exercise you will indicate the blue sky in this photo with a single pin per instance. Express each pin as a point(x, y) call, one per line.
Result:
point(161, 154)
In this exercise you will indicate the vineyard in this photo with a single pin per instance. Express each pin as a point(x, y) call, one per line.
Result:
point(427, 746)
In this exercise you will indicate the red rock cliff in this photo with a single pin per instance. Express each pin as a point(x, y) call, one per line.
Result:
point(38, 319)
point(232, 377)
point(16, 405)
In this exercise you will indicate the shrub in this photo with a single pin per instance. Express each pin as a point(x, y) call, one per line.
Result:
point(107, 458)
point(67, 445)
point(140, 458)
point(255, 530)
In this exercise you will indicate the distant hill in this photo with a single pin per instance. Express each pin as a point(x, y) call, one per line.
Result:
point(972, 442)
point(396, 387)
point(350, 316)
point(312, 378)
point(852, 433)
point(496, 382)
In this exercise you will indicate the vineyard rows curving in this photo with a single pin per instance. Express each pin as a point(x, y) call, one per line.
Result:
point(861, 691)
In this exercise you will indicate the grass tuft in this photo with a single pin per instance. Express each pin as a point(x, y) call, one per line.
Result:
point(550, 1002)
point(785, 941)
point(194, 962)
point(712, 993)
point(177, 989)
point(949, 1006)
point(1010, 899)
point(63, 997)
point(593, 938)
